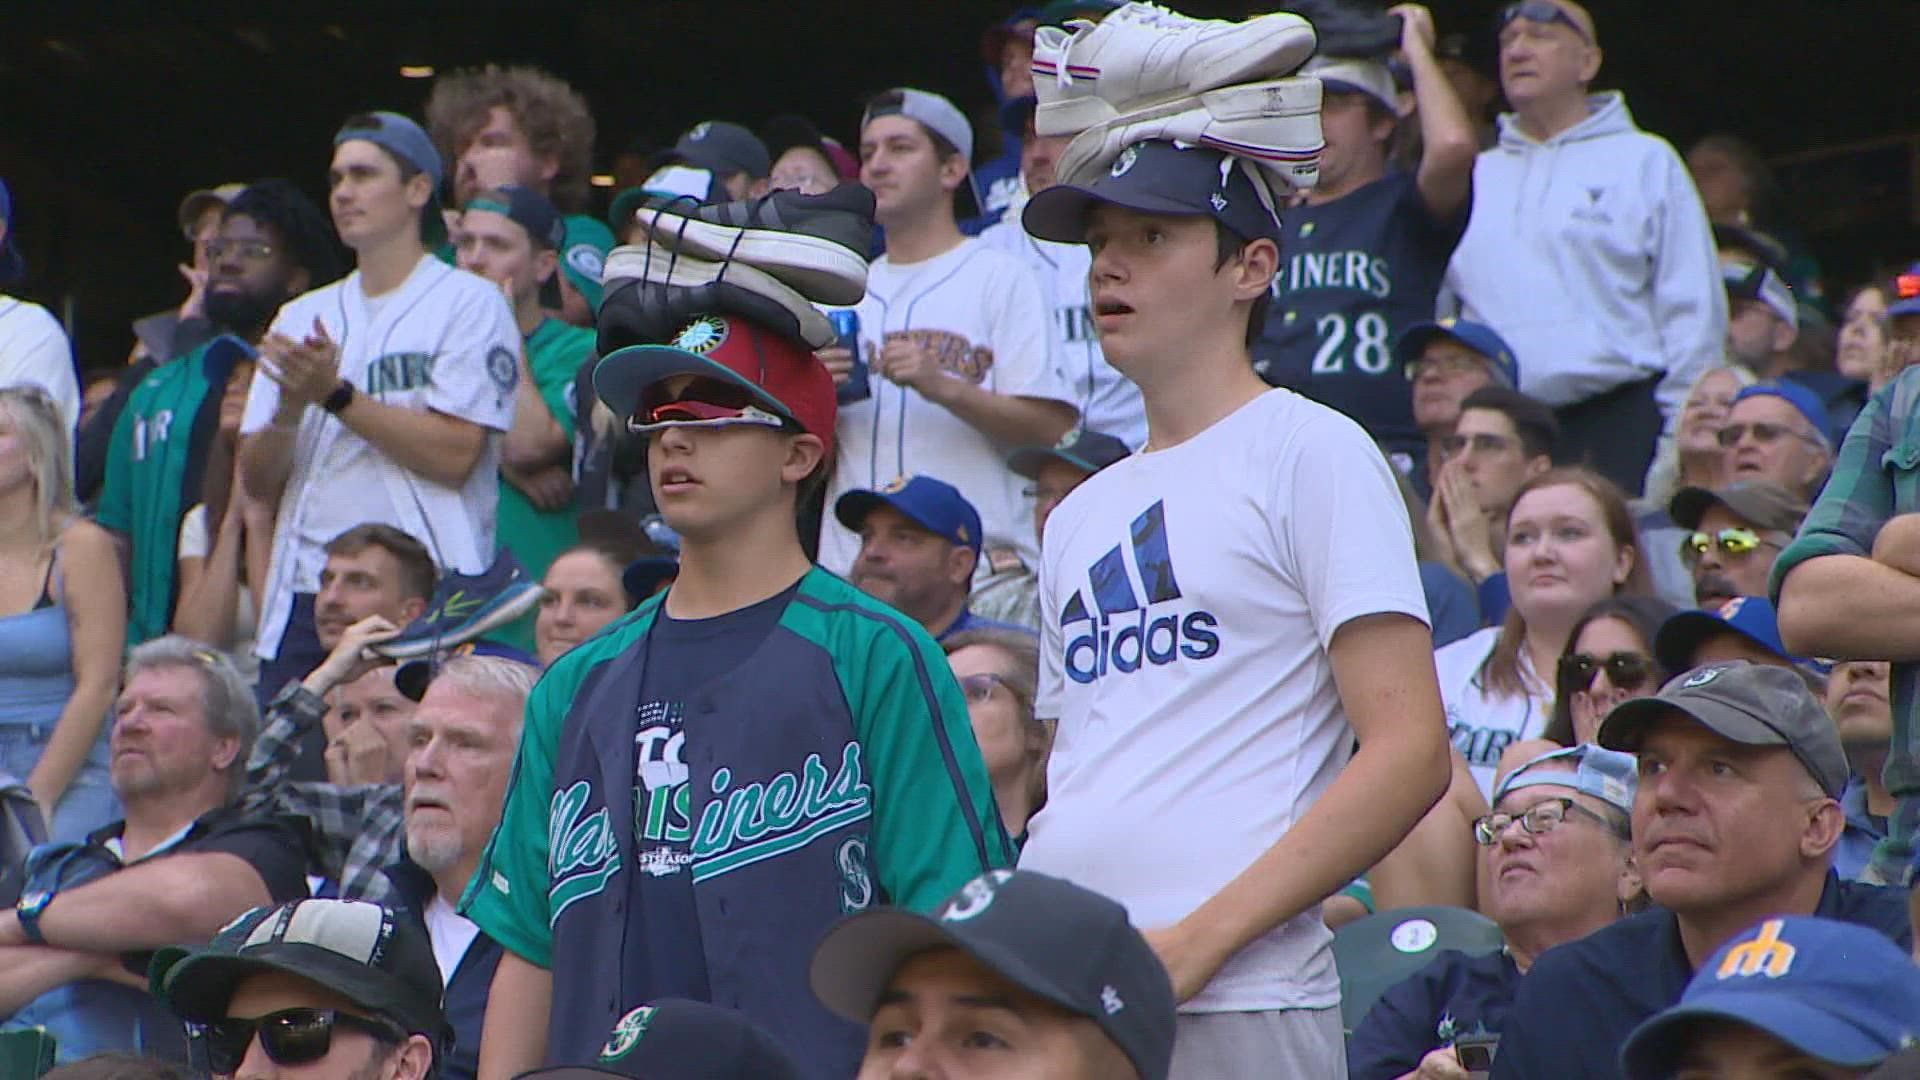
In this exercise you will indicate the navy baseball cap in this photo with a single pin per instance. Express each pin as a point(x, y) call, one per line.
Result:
point(1054, 939)
point(723, 148)
point(644, 576)
point(1802, 399)
point(1084, 449)
point(1752, 617)
point(677, 1039)
point(528, 209)
point(12, 266)
point(412, 677)
point(934, 505)
point(1834, 991)
point(402, 138)
point(1156, 177)
point(1476, 336)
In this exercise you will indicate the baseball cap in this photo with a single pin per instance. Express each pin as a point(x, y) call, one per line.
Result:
point(372, 956)
point(1476, 336)
point(1356, 75)
point(1157, 177)
point(1607, 775)
point(1754, 704)
point(1082, 448)
point(402, 138)
point(1906, 287)
point(677, 1039)
point(781, 373)
point(197, 202)
point(1834, 991)
point(1796, 395)
point(528, 209)
point(1052, 938)
point(791, 130)
point(644, 576)
point(1752, 617)
point(584, 244)
point(1757, 281)
point(1739, 240)
point(412, 677)
point(12, 266)
point(1767, 505)
point(724, 148)
point(934, 505)
point(939, 116)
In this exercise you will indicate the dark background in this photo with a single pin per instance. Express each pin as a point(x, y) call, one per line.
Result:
point(109, 113)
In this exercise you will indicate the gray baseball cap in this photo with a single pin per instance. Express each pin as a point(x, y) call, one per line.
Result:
point(1754, 704)
point(1767, 506)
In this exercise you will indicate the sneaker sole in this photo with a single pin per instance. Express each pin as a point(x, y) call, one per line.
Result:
point(820, 270)
point(509, 610)
point(1288, 44)
point(1275, 123)
point(631, 261)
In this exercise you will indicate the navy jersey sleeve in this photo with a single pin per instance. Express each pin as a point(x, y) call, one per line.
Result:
point(1551, 1030)
point(271, 846)
point(1400, 1028)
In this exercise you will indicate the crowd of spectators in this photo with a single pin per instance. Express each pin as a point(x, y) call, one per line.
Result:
point(1547, 602)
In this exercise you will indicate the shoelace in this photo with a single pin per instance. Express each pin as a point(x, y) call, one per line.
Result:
point(1153, 15)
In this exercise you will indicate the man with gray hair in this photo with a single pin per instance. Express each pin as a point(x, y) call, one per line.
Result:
point(184, 862)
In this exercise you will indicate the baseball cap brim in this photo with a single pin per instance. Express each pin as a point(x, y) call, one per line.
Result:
point(1682, 635)
point(1028, 461)
point(622, 376)
point(1415, 341)
point(852, 508)
point(1626, 725)
point(1653, 1050)
point(856, 960)
point(1689, 505)
point(198, 986)
point(570, 1072)
point(1060, 212)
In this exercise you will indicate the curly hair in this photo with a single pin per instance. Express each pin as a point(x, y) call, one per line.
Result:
point(552, 114)
point(300, 224)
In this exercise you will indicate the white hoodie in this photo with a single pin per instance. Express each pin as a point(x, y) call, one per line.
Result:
point(1591, 255)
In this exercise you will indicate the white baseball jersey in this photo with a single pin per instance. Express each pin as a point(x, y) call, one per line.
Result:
point(984, 316)
point(1108, 400)
point(1483, 724)
point(445, 341)
point(1188, 597)
point(34, 350)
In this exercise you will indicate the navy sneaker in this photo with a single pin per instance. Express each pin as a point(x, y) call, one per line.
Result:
point(815, 243)
point(465, 607)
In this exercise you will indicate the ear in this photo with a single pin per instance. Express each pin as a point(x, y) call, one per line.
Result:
point(545, 263)
point(1623, 564)
point(1538, 465)
point(413, 1059)
point(1629, 884)
point(953, 172)
point(1825, 822)
point(298, 282)
point(225, 751)
point(1254, 270)
point(1784, 335)
point(549, 168)
point(419, 190)
point(804, 454)
point(1590, 65)
point(412, 608)
point(960, 563)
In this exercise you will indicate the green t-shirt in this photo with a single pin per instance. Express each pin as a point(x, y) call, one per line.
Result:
point(155, 472)
point(555, 352)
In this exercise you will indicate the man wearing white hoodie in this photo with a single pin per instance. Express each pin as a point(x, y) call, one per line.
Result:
point(1588, 247)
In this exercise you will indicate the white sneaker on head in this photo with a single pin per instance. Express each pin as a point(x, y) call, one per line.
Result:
point(1275, 124)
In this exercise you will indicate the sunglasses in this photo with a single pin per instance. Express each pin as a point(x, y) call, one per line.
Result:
point(289, 1037)
point(1539, 11)
point(1628, 671)
point(707, 403)
point(1763, 433)
point(1733, 543)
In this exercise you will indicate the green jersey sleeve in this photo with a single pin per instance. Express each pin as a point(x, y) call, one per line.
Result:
point(116, 493)
point(507, 897)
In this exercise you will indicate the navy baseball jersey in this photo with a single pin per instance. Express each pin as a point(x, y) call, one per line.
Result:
point(1355, 273)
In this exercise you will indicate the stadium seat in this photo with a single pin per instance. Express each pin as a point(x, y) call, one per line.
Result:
point(1382, 949)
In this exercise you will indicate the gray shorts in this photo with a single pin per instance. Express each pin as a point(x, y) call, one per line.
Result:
point(1285, 1044)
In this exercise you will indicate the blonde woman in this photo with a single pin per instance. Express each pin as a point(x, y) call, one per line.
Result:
point(1692, 458)
point(63, 622)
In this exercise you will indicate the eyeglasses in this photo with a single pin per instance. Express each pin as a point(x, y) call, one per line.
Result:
point(1537, 820)
point(701, 403)
point(1541, 12)
point(289, 1037)
point(1763, 433)
point(1628, 671)
point(1444, 366)
point(1484, 443)
point(248, 250)
point(979, 688)
point(1049, 494)
point(1733, 543)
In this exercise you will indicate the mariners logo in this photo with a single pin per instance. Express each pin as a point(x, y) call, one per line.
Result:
point(702, 335)
point(1125, 161)
point(1124, 630)
point(699, 131)
point(626, 1035)
point(503, 367)
point(975, 896)
point(587, 261)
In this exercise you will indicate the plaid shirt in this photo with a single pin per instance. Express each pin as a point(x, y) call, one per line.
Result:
point(356, 831)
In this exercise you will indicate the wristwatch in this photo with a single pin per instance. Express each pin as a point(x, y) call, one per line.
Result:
point(28, 912)
point(341, 397)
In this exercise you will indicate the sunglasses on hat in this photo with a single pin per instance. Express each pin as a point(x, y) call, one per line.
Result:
point(289, 1037)
point(1625, 670)
point(701, 403)
point(1733, 543)
point(1539, 11)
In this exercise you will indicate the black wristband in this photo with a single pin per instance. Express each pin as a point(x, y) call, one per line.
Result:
point(341, 397)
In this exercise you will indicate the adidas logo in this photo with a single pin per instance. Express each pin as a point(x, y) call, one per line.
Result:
point(1121, 634)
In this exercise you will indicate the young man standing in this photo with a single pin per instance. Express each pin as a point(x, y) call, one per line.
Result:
point(1367, 250)
point(709, 784)
point(380, 397)
point(512, 236)
point(957, 336)
point(1211, 651)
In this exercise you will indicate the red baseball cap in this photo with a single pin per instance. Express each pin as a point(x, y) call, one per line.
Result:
point(780, 372)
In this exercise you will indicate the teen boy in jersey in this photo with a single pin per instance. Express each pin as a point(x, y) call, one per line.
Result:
point(708, 785)
point(1211, 651)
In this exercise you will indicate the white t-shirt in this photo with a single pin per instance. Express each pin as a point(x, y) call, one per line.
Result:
point(196, 544)
point(984, 314)
point(34, 349)
point(1109, 402)
point(451, 933)
point(445, 341)
point(1480, 724)
point(1187, 600)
